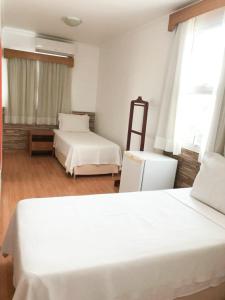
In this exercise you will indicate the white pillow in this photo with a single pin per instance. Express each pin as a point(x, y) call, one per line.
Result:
point(209, 185)
point(72, 122)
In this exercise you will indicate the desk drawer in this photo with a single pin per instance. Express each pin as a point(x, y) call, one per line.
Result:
point(41, 146)
point(42, 138)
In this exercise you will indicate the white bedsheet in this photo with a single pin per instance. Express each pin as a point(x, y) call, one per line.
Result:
point(184, 196)
point(84, 148)
point(131, 246)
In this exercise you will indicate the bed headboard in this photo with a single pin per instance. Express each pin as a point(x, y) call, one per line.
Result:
point(91, 116)
point(15, 136)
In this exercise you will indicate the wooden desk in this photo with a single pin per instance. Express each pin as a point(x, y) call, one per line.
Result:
point(41, 141)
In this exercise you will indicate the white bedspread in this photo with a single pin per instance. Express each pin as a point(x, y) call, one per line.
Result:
point(84, 148)
point(131, 246)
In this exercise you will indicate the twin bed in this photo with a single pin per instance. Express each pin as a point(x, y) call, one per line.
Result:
point(86, 153)
point(81, 151)
point(148, 246)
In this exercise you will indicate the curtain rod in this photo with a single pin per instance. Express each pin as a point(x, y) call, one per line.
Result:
point(12, 53)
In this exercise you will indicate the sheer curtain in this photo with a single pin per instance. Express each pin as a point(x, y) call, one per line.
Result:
point(22, 91)
point(216, 138)
point(168, 135)
point(54, 93)
point(192, 102)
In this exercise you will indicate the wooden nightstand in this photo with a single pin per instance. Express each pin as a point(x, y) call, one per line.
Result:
point(41, 141)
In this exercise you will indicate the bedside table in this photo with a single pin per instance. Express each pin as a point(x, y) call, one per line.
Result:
point(41, 141)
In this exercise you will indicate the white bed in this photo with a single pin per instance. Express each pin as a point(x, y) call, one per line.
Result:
point(86, 153)
point(133, 246)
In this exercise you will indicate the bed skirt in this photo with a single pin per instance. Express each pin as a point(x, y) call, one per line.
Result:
point(89, 169)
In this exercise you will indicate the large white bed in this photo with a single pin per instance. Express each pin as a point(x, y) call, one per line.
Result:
point(134, 246)
point(86, 153)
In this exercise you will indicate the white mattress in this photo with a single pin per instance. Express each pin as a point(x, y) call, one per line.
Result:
point(147, 245)
point(85, 148)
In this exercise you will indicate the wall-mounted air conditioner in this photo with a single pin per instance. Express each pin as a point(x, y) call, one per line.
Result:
point(54, 47)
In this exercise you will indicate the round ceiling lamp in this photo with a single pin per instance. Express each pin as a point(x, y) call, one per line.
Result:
point(72, 21)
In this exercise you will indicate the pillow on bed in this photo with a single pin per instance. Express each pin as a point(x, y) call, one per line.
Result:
point(72, 122)
point(209, 185)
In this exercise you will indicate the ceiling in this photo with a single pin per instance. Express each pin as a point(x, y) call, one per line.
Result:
point(102, 19)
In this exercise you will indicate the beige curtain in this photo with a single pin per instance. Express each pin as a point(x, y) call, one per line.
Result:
point(22, 91)
point(54, 94)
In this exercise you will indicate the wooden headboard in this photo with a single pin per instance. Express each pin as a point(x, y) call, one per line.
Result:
point(15, 136)
point(91, 116)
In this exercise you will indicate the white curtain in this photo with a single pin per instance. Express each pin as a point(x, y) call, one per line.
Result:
point(54, 94)
point(216, 138)
point(168, 134)
point(22, 91)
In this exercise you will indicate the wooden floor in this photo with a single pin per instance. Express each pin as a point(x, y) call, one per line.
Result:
point(37, 176)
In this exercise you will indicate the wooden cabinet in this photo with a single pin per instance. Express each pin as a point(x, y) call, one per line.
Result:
point(41, 141)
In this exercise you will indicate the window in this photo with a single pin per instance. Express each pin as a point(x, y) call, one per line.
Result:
point(37, 89)
point(200, 81)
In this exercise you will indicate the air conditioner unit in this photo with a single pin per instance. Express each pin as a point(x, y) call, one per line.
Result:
point(54, 47)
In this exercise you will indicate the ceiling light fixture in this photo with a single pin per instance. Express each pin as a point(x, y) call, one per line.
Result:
point(72, 21)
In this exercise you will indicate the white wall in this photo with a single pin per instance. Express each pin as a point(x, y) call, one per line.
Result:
point(85, 72)
point(85, 78)
point(130, 66)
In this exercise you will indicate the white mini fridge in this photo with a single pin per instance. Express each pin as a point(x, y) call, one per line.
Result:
point(147, 171)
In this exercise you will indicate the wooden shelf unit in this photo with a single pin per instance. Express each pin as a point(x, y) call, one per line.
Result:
point(41, 141)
